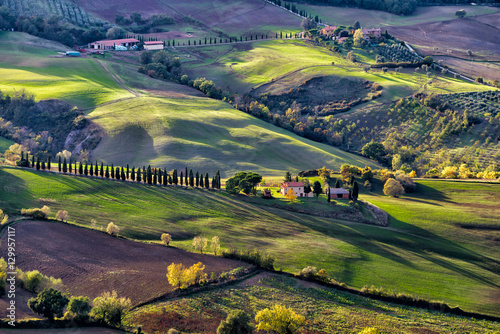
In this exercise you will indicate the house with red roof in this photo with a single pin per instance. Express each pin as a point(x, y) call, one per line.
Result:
point(153, 45)
point(297, 187)
point(110, 44)
point(328, 31)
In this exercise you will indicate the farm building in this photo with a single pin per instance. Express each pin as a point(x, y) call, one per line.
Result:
point(298, 188)
point(153, 45)
point(339, 193)
point(110, 44)
point(72, 53)
point(267, 193)
point(372, 33)
point(328, 31)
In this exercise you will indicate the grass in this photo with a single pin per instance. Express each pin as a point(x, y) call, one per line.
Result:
point(326, 310)
point(5, 144)
point(33, 67)
point(428, 252)
point(374, 18)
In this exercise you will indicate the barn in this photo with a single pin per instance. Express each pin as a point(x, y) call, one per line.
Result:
point(339, 193)
point(153, 45)
point(111, 43)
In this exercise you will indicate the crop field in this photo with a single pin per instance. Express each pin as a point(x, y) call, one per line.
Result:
point(326, 310)
point(374, 18)
point(92, 262)
point(79, 81)
point(170, 134)
point(279, 65)
point(444, 236)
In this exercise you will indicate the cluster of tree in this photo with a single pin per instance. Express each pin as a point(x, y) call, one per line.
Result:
point(201, 244)
point(137, 24)
point(400, 7)
point(53, 28)
point(243, 182)
point(182, 277)
point(462, 172)
point(42, 127)
point(160, 65)
point(396, 184)
point(254, 257)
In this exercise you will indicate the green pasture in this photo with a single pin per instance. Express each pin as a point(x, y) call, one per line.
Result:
point(79, 81)
point(207, 135)
point(5, 144)
point(424, 252)
point(326, 310)
point(374, 18)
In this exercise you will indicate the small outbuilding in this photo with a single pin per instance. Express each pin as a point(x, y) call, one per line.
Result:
point(339, 193)
point(72, 54)
point(153, 45)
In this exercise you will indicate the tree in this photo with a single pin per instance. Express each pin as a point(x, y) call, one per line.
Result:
point(191, 178)
point(78, 308)
point(373, 150)
point(139, 175)
point(460, 13)
point(393, 188)
point(112, 229)
point(166, 238)
point(115, 33)
point(358, 38)
point(62, 215)
point(174, 274)
point(308, 24)
point(355, 191)
point(356, 25)
point(182, 178)
point(3, 218)
point(428, 60)
point(207, 183)
point(351, 56)
point(367, 174)
point(237, 322)
point(307, 186)
point(337, 184)
point(317, 190)
point(288, 177)
point(59, 164)
point(200, 243)
point(110, 309)
point(279, 319)
point(215, 245)
point(50, 303)
point(65, 166)
point(290, 195)
point(197, 178)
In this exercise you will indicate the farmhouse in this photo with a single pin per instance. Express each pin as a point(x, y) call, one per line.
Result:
point(111, 43)
point(328, 31)
point(153, 45)
point(339, 193)
point(298, 188)
point(372, 33)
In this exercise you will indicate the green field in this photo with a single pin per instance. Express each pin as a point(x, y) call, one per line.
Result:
point(31, 65)
point(326, 310)
point(279, 65)
point(5, 144)
point(428, 252)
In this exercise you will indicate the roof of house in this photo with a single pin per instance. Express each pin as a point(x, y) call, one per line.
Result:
point(338, 191)
point(329, 28)
point(292, 184)
point(153, 42)
point(111, 42)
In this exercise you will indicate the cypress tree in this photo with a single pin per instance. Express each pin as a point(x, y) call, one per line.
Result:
point(191, 178)
point(201, 180)
point(123, 175)
point(112, 171)
point(155, 177)
point(60, 164)
point(117, 173)
point(96, 172)
point(38, 163)
point(128, 172)
point(65, 166)
point(48, 164)
point(174, 177)
point(32, 161)
point(182, 179)
point(102, 169)
point(337, 184)
point(207, 184)
point(144, 175)
point(80, 169)
point(69, 166)
point(197, 179)
point(132, 176)
point(139, 175)
point(91, 169)
point(22, 155)
point(186, 176)
point(328, 195)
point(355, 191)
point(86, 170)
point(217, 175)
point(107, 172)
point(149, 175)
point(170, 181)
point(43, 164)
point(165, 177)
point(213, 183)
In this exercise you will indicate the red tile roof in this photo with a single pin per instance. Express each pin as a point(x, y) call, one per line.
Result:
point(153, 42)
point(112, 42)
point(292, 184)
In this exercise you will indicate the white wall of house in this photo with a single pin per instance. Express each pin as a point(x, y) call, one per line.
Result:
point(299, 192)
point(153, 47)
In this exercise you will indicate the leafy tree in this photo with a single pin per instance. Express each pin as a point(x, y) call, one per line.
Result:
point(115, 33)
point(358, 38)
point(308, 24)
point(200, 243)
point(351, 56)
point(110, 309)
point(112, 229)
point(62, 215)
point(460, 13)
point(3, 218)
point(428, 60)
point(317, 190)
point(237, 322)
point(50, 303)
point(290, 195)
point(373, 150)
point(367, 174)
point(215, 245)
point(370, 330)
point(234, 184)
point(166, 239)
point(393, 188)
point(356, 25)
point(279, 319)
point(78, 308)
point(174, 274)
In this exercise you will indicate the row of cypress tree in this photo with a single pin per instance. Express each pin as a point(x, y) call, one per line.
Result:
point(149, 175)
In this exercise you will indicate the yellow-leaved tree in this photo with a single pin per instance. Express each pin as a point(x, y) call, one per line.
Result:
point(279, 319)
point(182, 277)
point(290, 195)
point(175, 274)
point(3, 218)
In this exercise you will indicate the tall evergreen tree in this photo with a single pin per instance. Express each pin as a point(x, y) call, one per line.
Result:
point(96, 172)
point(48, 164)
point(355, 191)
point(201, 181)
point(112, 171)
point(106, 174)
point(182, 178)
point(170, 180)
point(33, 161)
point(155, 177)
point(69, 166)
point(191, 178)
point(38, 163)
point(128, 172)
point(139, 178)
point(91, 169)
point(43, 164)
point(86, 170)
point(124, 177)
point(149, 175)
point(132, 175)
point(80, 169)
point(102, 169)
point(65, 166)
point(218, 180)
point(186, 176)
point(165, 177)
point(207, 184)
point(213, 183)
point(197, 179)
point(117, 173)
point(60, 167)
point(144, 175)
point(174, 177)
point(337, 184)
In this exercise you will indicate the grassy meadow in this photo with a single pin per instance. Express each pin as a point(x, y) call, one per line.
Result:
point(5, 144)
point(33, 66)
point(428, 249)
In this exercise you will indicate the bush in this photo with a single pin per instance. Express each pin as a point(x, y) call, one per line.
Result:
point(62, 215)
point(370, 330)
point(393, 188)
point(42, 213)
point(254, 257)
point(112, 229)
point(78, 309)
point(407, 183)
point(166, 238)
point(308, 272)
point(237, 322)
point(279, 319)
point(49, 303)
point(110, 309)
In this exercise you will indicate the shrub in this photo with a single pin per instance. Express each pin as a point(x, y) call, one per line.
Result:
point(78, 309)
point(110, 309)
point(112, 229)
point(279, 319)
point(308, 272)
point(182, 277)
point(42, 213)
point(237, 322)
point(393, 188)
point(407, 183)
point(62, 215)
point(370, 330)
point(49, 303)
point(173, 331)
point(3, 218)
point(166, 239)
point(254, 257)
point(34, 281)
